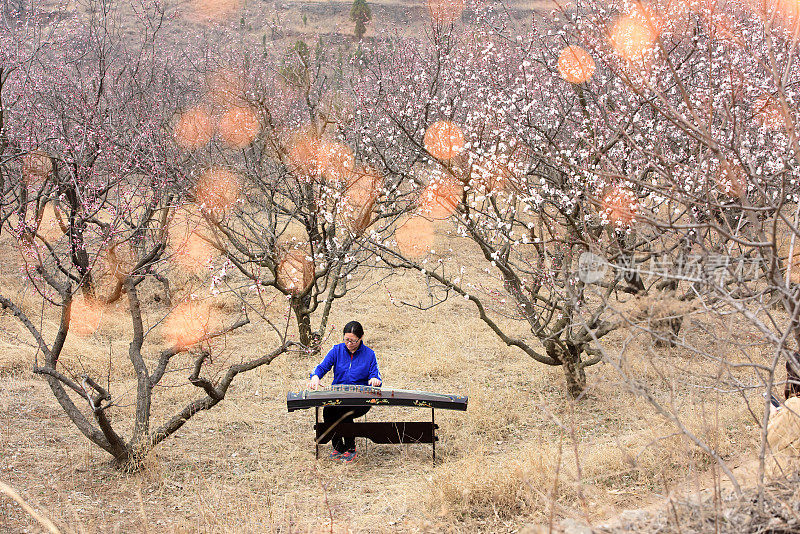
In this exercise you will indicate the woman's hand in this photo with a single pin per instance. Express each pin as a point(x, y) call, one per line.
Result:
point(313, 383)
point(374, 382)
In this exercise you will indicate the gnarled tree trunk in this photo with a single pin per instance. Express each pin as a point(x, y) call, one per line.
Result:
point(574, 371)
point(303, 317)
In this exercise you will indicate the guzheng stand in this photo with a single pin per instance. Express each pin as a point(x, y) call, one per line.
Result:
point(391, 432)
point(394, 432)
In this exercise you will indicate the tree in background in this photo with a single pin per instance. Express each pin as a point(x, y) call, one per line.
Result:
point(547, 159)
point(296, 65)
point(96, 205)
point(721, 176)
point(670, 148)
point(361, 14)
point(304, 196)
point(675, 131)
point(479, 146)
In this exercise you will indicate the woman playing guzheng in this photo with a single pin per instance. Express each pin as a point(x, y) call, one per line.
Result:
point(352, 363)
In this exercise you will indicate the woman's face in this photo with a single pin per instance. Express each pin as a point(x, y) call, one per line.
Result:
point(352, 342)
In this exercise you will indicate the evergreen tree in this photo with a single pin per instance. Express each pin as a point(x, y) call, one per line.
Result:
point(360, 13)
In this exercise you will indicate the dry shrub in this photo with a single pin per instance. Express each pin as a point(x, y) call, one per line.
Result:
point(645, 460)
point(662, 314)
point(228, 303)
point(723, 424)
point(491, 412)
point(635, 446)
point(14, 359)
point(504, 486)
point(776, 511)
point(526, 482)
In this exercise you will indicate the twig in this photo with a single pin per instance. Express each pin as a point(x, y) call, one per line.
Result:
point(46, 523)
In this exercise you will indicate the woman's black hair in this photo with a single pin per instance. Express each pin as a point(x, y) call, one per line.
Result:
point(354, 327)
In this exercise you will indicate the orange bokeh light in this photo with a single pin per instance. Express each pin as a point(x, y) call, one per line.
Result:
point(731, 179)
point(194, 253)
point(768, 112)
point(444, 140)
point(295, 271)
point(619, 206)
point(445, 11)
point(189, 240)
point(194, 128)
point(634, 35)
point(722, 27)
point(336, 161)
point(36, 166)
point(188, 323)
point(356, 218)
point(575, 64)
point(304, 154)
point(415, 236)
point(49, 226)
point(238, 126)
point(217, 189)
point(364, 187)
point(785, 12)
point(84, 316)
point(440, 197)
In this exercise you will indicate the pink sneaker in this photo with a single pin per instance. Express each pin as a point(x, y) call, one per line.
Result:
point(348, 456)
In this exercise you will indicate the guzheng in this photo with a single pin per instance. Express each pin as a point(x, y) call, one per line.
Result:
point(350, 395)
point(379, 431)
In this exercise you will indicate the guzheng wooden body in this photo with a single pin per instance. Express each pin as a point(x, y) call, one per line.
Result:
point(377, 432)
point(371, 396)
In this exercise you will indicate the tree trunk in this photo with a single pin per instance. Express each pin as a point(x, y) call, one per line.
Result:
point(138, 444)
point(666, 331)
point(574, 373)
point(300, 309)
point(575, 376)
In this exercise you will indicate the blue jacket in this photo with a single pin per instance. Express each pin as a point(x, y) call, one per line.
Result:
point(357, 369)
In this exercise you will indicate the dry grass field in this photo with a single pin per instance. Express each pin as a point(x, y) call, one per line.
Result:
point(523, 454)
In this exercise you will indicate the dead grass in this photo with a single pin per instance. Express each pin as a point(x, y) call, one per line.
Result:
point(720, 511)
point(248, 465)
